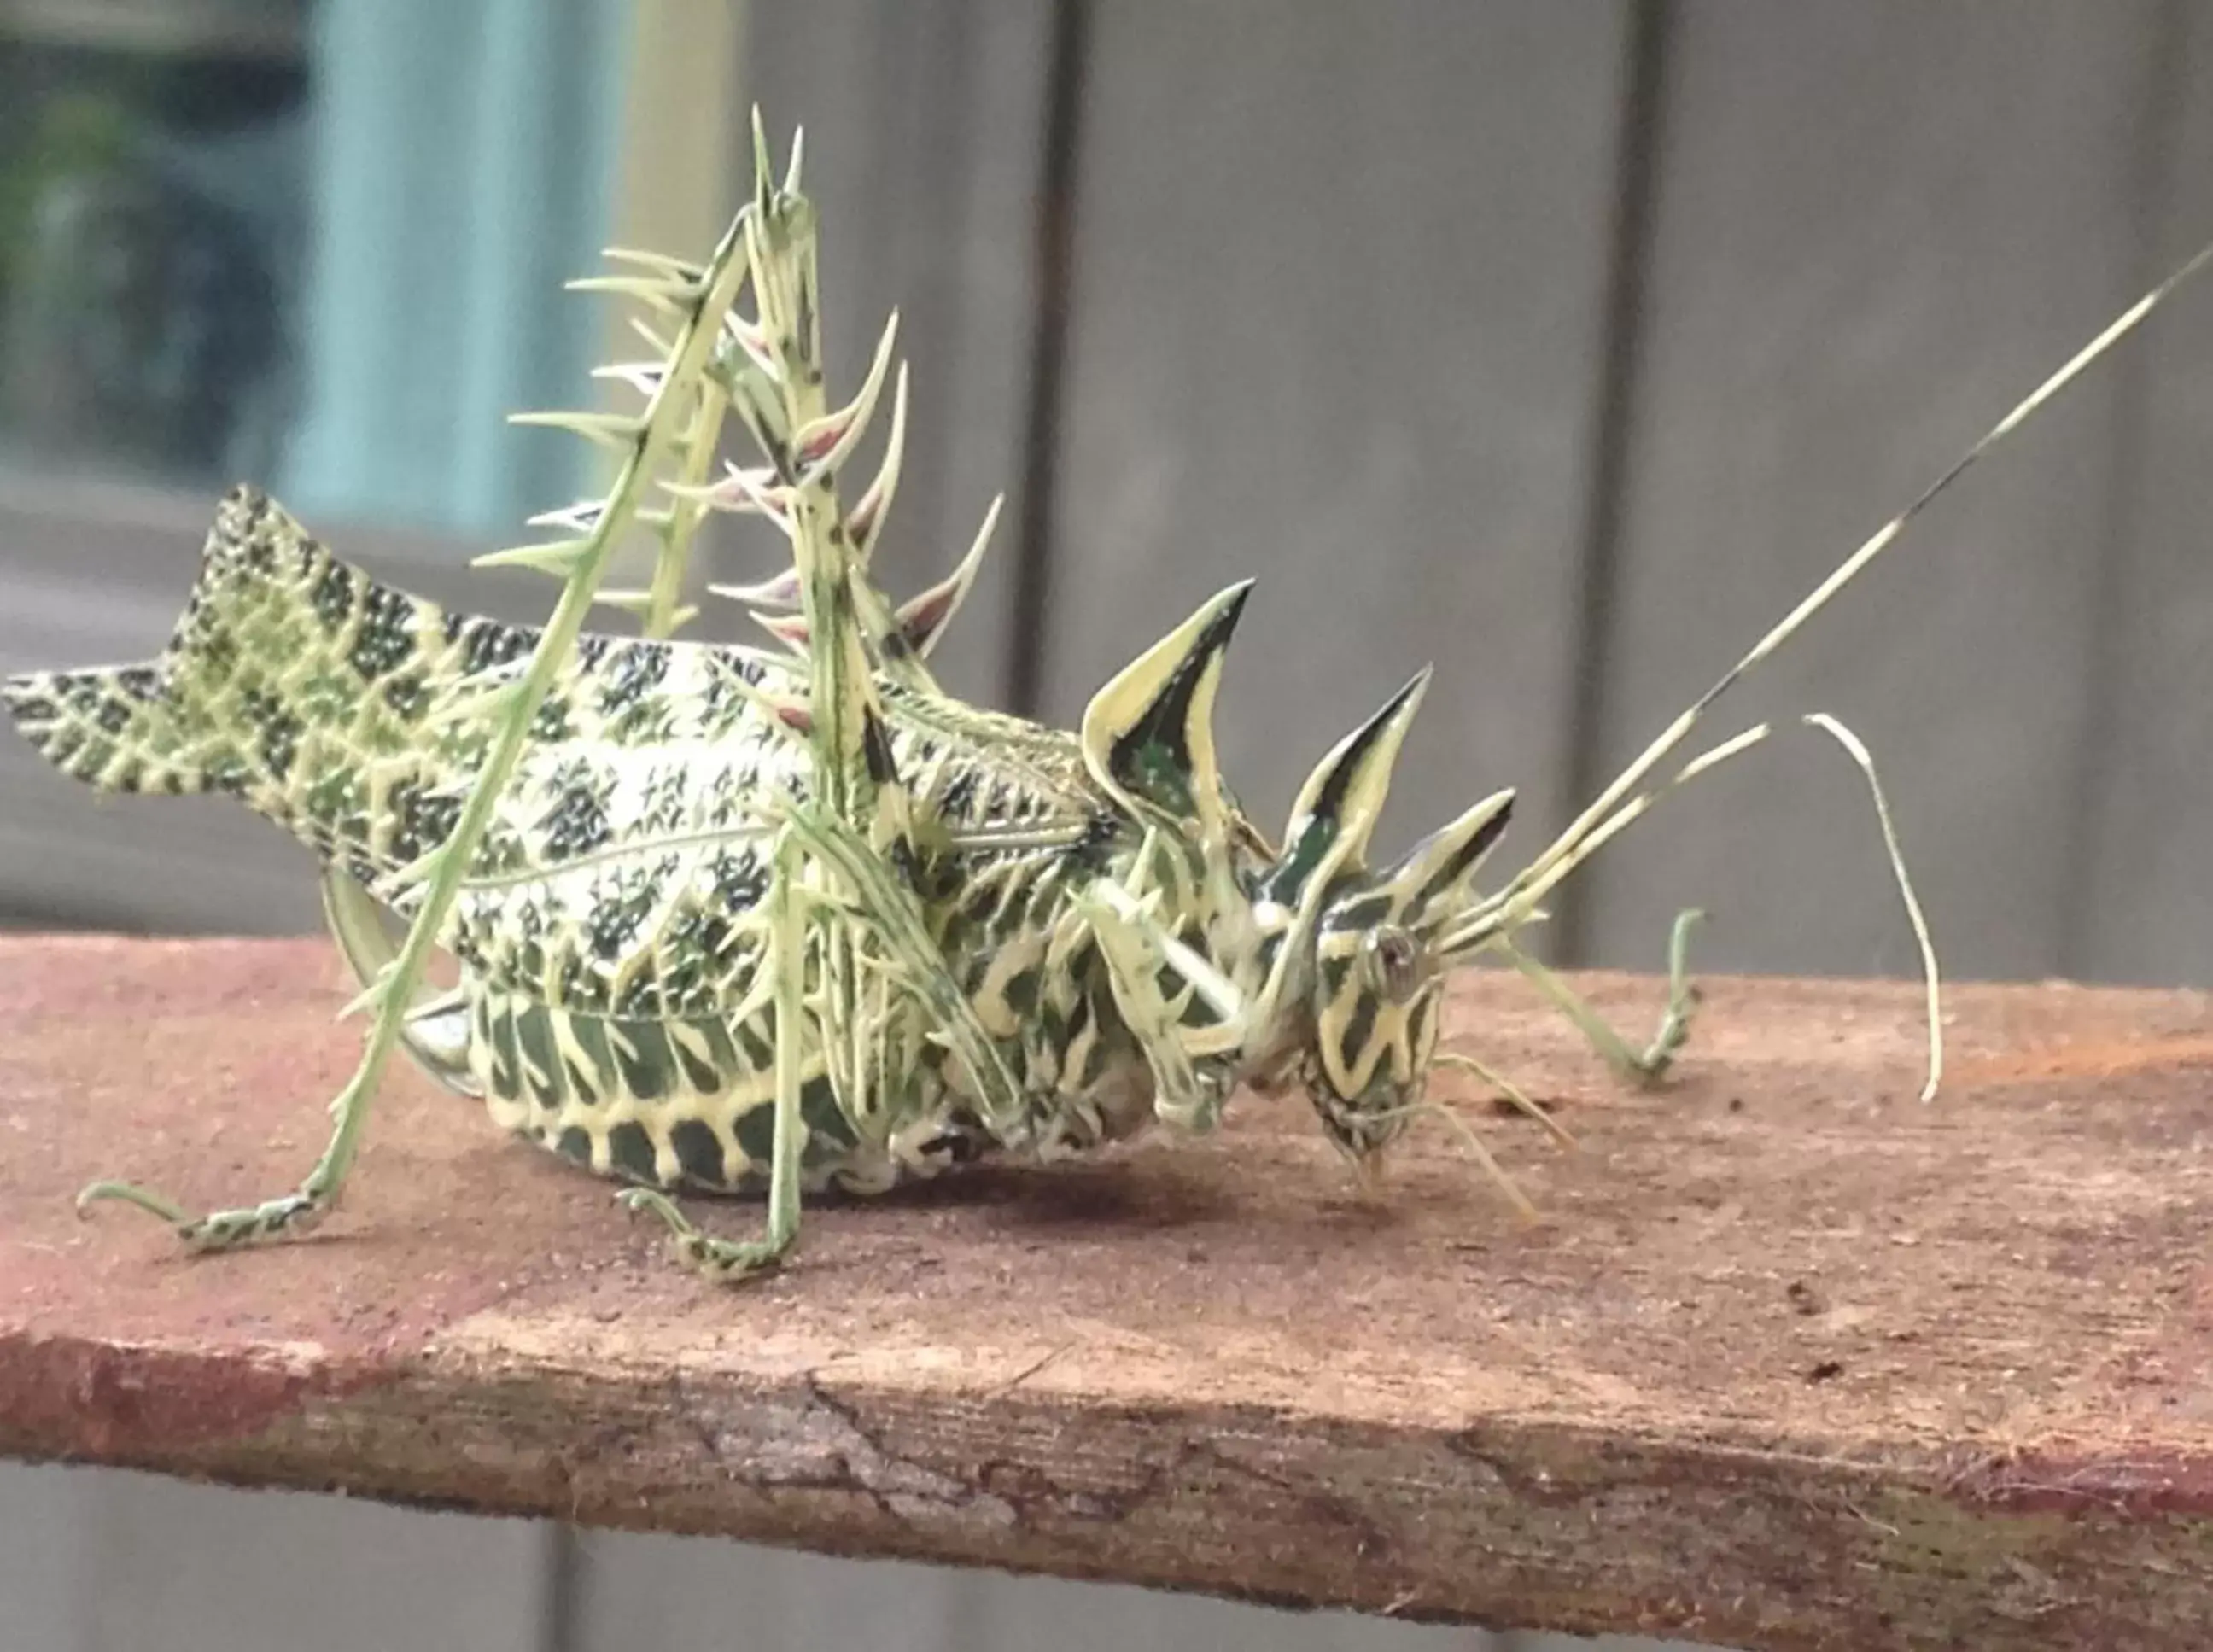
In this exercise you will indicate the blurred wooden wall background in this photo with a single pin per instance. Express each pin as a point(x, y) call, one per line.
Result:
point(1566, 346)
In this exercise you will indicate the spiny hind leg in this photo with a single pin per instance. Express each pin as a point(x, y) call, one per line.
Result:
point(288, 1213)
point(730, 1261)
point(1648, 1065)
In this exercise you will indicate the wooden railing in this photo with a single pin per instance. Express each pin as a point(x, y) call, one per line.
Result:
point(1790, 1360)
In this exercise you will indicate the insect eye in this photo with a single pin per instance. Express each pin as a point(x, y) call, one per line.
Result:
point(1394, 960)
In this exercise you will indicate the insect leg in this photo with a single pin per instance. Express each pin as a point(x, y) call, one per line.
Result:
point(506, 717)
point(887, 907)
point(434, 1032)
point(1650, 1064)
point(855, 788)
point(731, 1260)
point(1135, 949)
point(293, 1212)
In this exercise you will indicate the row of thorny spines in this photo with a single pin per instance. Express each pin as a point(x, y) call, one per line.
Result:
point(755, 368)
point(708, 360)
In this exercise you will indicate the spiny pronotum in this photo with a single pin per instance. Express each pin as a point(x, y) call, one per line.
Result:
point(731, 919)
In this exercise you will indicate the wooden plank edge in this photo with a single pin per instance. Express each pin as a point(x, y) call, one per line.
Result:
point(1510, 1523)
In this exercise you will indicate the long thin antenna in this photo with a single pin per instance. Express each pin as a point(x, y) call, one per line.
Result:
point(1637, 146)
point(1569, 845)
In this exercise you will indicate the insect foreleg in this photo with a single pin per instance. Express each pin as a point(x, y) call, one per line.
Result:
point(786, 960)
point(1493, 926)
point(1136, 949)
point(1650, 1064)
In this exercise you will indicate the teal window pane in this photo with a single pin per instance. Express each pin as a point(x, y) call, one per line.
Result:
point(152, 220)
point(319, 247)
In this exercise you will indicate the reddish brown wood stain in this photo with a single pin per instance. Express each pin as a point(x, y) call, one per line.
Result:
point(1791, 1361)
point(2097, 1060)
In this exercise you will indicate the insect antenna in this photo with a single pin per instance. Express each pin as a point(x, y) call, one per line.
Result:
point(1856, 748)
point(1513, 1092)
point(1473, 1142)
point(1511, 904)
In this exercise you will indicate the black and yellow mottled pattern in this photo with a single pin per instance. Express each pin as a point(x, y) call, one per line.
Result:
point(293, 682)
point(608, 938)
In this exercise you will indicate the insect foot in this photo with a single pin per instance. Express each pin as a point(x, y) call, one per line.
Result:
point(219, 1230)
point(722, 1260)
point(1648, 1066)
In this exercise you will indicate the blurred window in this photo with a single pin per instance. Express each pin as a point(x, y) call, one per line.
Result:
point(152, 211)
point(316, 246)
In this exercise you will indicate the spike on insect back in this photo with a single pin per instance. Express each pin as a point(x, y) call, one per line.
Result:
point(741, 491)
point(1147, 736)
point(780, 592)
point(674, 299)
point(1337, 807)
point(580, 518)
point(823, 445)
point(561, 558)
point(672, 269)
point(1427, 886)
point(644, 377)
point(789, 629)
point(865, 520)
point(764, 165)
point(608, 429)
point(922, 617)
point(752, 339)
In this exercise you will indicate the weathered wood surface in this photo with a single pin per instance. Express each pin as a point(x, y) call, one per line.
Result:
point(1792, 1361)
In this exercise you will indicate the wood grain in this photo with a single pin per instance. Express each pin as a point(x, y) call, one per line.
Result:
point(1791, 1362)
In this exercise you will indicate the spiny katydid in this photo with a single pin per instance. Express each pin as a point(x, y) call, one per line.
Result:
point(785, 919)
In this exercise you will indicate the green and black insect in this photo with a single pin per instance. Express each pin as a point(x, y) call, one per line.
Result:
point(785, 919)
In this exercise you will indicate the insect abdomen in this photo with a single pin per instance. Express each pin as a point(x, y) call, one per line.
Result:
point(685, 1104)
